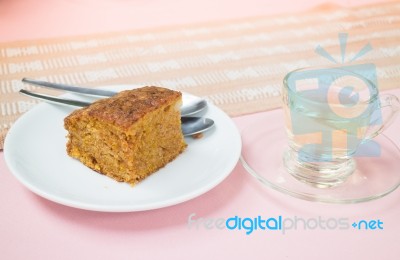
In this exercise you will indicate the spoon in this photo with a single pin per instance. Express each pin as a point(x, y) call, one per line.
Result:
point(190, 106)
point(195, 125)
point(189, 125)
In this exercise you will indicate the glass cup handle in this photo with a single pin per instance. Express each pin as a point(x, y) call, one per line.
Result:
point(387, 102)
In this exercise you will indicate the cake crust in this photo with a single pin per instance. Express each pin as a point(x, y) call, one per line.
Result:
point(127, 107)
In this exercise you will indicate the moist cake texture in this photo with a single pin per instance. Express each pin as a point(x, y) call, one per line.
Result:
point(128, 136)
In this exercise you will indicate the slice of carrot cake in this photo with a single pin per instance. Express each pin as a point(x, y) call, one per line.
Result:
point(128, 136)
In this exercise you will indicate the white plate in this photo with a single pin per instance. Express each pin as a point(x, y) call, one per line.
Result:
point(36, 155)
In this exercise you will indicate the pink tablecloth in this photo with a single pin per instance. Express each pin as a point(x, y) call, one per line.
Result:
point(34, 228)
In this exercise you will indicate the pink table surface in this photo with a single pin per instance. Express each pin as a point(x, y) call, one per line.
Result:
point(34, 228)
point(23, 19)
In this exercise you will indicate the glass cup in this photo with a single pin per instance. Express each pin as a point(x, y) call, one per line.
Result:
point(332, 116)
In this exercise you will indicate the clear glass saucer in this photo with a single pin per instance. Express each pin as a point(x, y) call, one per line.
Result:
point(262, 157)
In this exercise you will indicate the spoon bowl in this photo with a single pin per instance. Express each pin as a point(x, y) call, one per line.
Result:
point(196, 125)
point(192, 106)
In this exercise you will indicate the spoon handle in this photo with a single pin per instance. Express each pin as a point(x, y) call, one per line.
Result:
point(68, 88)
point(54, 100)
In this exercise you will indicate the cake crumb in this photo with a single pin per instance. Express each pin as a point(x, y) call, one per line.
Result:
point(197, 136)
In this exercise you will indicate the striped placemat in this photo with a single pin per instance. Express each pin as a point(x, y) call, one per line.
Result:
point(238, 64)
